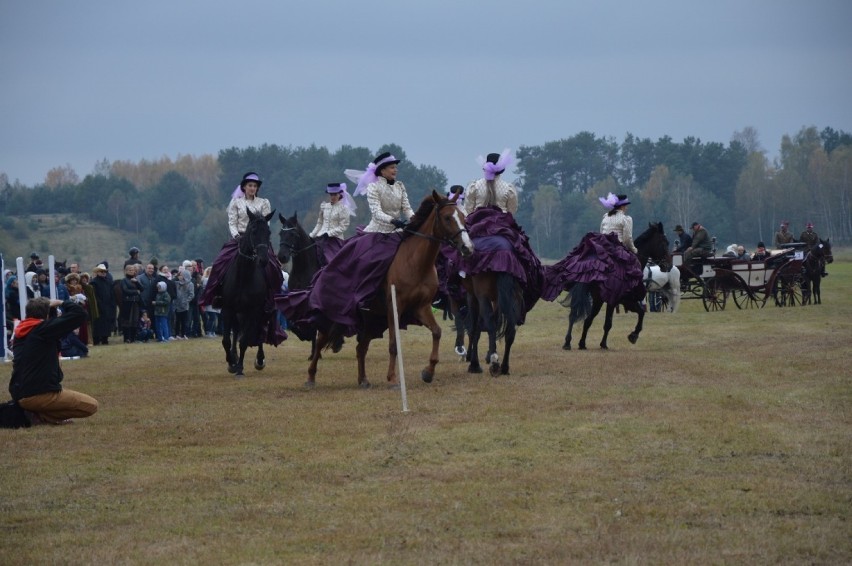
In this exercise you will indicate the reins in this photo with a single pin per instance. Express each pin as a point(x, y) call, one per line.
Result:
point(449, 240)
point(292, 249)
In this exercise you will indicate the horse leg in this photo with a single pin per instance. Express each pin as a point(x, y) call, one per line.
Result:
point(260, 360)
point(392, 349)
point(640, 316)
point(361, 354)
point(488, 316)
point(596, 308)
point(567, 344)
point(426, 317)
point(475, 330)
point(321, 341)
point(508, 340)
point(459, 319)
point(243, 341)
point(815, 285)
point(226, 344)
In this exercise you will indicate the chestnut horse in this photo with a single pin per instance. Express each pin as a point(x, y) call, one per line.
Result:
point(412, 272)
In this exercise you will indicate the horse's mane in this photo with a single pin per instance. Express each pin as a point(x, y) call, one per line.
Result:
point(427, 205)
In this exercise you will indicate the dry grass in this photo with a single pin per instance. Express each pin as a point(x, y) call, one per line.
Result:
point(717, 438)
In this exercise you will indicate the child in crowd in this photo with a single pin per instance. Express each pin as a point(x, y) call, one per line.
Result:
point(71, 346)
point(161, 312)
point(145, 332)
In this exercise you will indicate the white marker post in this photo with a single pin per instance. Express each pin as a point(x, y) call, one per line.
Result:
point(399, 363)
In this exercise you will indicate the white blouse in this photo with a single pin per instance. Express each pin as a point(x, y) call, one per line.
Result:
point(622, 225)
point(476, 193)
point(387, 202)
point(238, 217)
point(333, 220)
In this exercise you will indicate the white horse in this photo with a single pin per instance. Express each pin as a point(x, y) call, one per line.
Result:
point(665, 283)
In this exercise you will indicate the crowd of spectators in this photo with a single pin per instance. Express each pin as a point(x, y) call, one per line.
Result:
point(129, 306)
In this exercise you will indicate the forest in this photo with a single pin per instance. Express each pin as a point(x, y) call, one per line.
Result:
point(175, 208)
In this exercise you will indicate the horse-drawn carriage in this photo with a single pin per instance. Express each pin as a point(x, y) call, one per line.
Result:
point(749, 283)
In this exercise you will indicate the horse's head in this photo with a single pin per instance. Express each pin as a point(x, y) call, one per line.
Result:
point(254, 244)
point(449, 223)
point(652, 244)
point(291, 238)
point(825, 248)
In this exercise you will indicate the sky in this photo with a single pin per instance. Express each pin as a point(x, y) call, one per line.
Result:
point(447, 80)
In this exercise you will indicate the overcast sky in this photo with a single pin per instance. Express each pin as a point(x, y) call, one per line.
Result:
point(448, 80)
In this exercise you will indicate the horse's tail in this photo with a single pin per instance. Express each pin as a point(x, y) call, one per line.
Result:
point(508, 303)
point(581, 302)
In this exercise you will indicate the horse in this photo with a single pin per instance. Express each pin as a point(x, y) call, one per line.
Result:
point(295, 244)
point(586, 299)
point(495, 301)
point(412, 272)
point(244, 292)
point(813, 267)
point(667, 283)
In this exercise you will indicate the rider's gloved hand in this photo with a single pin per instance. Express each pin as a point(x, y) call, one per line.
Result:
point(399, 223)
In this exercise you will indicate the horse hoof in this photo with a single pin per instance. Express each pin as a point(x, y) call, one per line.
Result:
point(566, 346)
point(232, 369)
point(474, 369)
point(364, 385)
point(259, 366)
point(581, 347)
point(426, 376)
point(633, 338)
point(494, 369)
point(460, 351)
point(310, 384)
point(239, 375)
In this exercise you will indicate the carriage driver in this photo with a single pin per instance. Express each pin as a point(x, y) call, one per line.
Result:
point(701, 244)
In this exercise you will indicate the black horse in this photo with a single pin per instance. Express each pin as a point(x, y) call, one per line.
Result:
point(244, 293)
point(813, 267)
point(295, 244)
point(586, 300)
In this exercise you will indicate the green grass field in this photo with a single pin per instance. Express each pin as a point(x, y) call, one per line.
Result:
point(719, 438)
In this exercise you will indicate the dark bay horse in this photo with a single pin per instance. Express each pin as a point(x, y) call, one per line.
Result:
point(495, 301)
point(295, 244)
point(412, 272)
point(587, 299)
point(244, 293)
point(813, 267)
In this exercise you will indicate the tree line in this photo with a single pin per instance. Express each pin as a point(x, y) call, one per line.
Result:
point(177, 206)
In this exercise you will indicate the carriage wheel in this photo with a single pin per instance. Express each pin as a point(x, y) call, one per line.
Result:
point(749, 299)
point(714, 297)
point(788, 291)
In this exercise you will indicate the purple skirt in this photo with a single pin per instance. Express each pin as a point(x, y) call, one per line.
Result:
point(344, 287)
point(272, 332)
point(501, 246)
point(327, 248)
point(598, 258)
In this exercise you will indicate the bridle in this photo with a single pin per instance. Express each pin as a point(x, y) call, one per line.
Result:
point(291, 249)
point(254, 247)
point(450, 240)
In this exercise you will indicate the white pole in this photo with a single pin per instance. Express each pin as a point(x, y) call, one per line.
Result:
point(52, 276)
point(399, 351)
point(22, 286)
point(6, 354)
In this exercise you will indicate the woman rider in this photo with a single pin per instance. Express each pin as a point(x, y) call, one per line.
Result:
point(244, 199)
point(617, 220)
point(333, 221)
point(352, 278)
point(501, 244)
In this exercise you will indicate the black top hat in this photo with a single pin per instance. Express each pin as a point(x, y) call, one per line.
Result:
point(457, 189)
point(678, 228)
point(133, 250)
point(33, 255)
point(383, 160)
point(250, 176)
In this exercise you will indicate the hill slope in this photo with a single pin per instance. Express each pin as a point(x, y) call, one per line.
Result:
point(67, 237)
